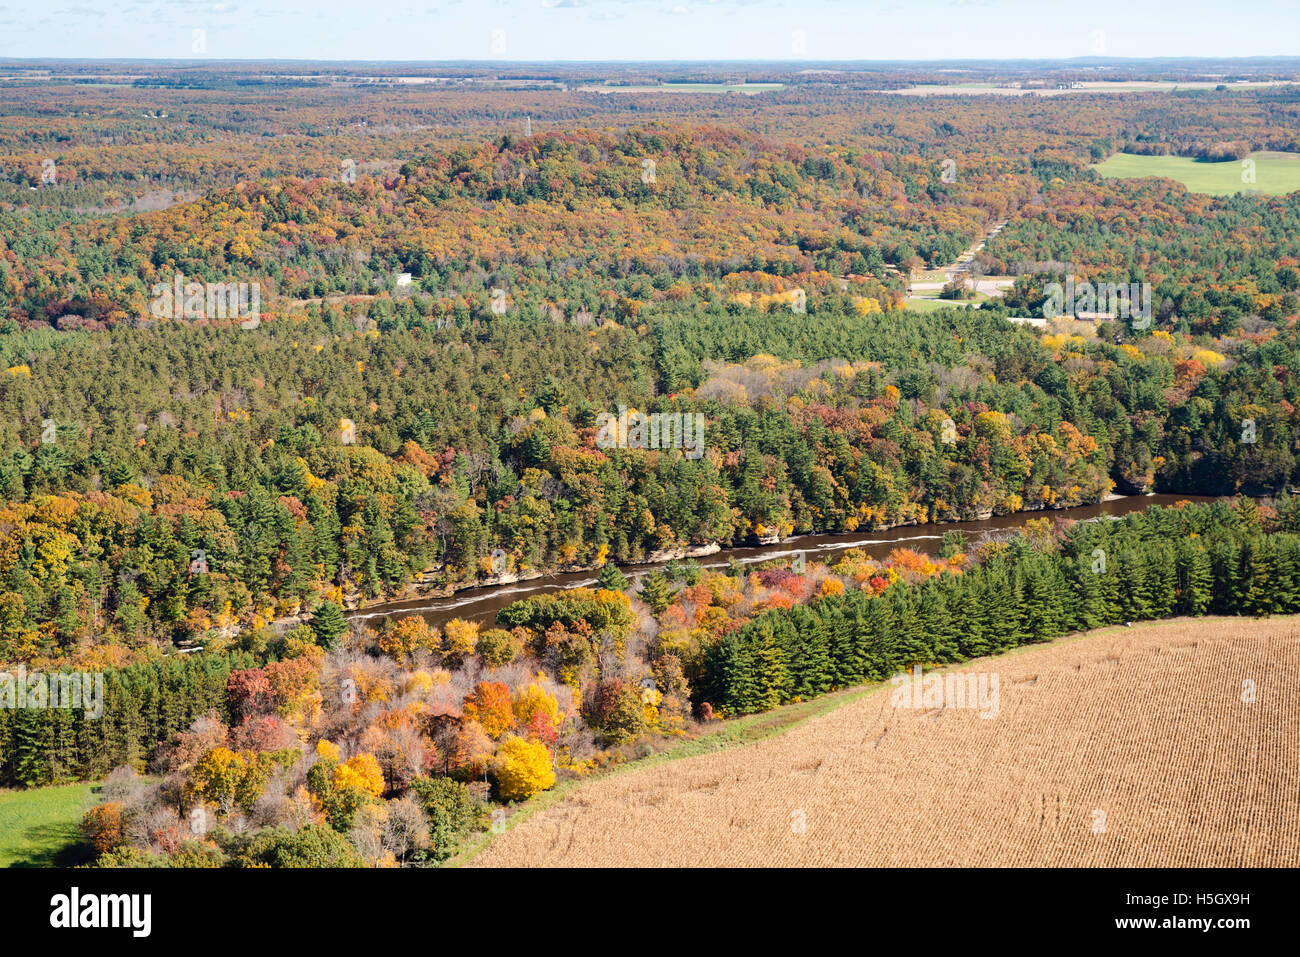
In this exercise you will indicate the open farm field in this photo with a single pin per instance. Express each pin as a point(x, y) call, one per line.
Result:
point(1275, 173)
point(1122, 747)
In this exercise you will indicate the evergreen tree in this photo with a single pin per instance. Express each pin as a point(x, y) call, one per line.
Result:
point(328, 624)
point(772, 684)
point(31, 764)
point(611, 578)
point(656, 592)
point(805, 640)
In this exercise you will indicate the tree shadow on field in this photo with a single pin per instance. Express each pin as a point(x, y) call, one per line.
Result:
point(57, 843)
point(54, 845)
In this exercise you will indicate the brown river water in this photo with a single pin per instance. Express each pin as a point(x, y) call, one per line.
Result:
point(482, 604)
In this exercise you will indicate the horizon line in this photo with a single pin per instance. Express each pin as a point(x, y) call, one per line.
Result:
point(762, 60)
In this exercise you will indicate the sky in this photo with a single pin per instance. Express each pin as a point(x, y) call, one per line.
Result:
point(539, 30)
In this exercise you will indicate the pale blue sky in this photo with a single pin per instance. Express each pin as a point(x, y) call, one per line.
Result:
point(646, 29)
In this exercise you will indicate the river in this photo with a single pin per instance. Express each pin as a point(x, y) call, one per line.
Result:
point(482, 604)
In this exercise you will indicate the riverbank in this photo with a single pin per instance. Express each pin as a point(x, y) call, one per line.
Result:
point(481, 602)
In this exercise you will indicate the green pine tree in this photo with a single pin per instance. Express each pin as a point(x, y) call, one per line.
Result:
point(611, 578)
point(328, 624)
point(656, 592)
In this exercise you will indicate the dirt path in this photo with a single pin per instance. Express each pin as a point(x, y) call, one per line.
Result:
point(963, 262)
point(992, 286)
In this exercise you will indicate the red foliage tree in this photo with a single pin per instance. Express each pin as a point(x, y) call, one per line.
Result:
point(263, 733)
point(249, 693)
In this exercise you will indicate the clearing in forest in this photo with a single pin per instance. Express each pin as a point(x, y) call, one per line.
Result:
point(1273, 173)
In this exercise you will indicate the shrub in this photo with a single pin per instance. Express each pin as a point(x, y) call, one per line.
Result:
point(103, 827)
point(311, 846)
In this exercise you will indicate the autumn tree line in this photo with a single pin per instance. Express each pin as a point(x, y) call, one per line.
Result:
point(143, 705)
point(1164, 562)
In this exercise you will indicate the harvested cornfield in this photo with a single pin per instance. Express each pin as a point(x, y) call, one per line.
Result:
point(1170, 744)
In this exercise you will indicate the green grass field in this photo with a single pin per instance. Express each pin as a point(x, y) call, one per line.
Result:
point(928, 304)
point(38, 828)
point(1275, 173)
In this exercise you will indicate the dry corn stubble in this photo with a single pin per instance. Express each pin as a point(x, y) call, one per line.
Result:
point(1121, 748)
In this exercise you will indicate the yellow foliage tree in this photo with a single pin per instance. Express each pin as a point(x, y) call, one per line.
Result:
point(831, 586)
point(327, 750)
point(534, 700)
point(228, 779)
point(522, 769)
point(459, 640)
point(216, 777)
point(405, 637)
point(361, 772)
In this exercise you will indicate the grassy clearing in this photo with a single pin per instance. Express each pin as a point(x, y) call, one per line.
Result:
point(937, 295)
point(1275, 173)
point(38, 828)
point(928, 304)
